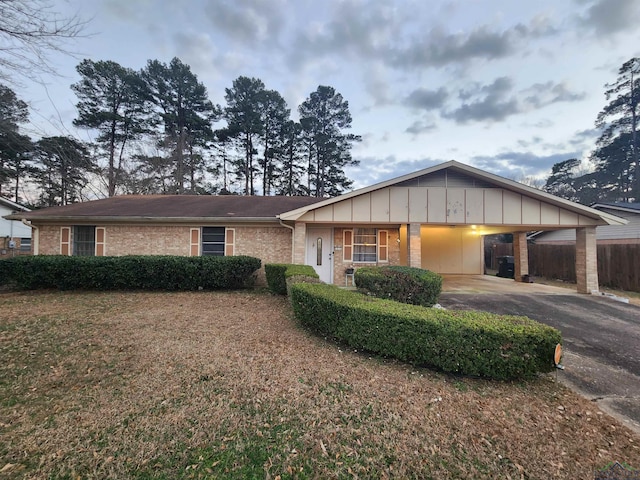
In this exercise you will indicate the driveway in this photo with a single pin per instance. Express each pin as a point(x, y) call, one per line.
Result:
point(601, 336)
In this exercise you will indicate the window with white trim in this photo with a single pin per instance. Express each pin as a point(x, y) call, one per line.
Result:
point(366, 245)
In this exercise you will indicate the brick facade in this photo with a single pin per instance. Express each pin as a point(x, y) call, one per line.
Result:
point(271, 244)
point(415, 245)
point(586, 260)
point(5, 247)
point(300, 243)
point(520, 256)
point(339, 265)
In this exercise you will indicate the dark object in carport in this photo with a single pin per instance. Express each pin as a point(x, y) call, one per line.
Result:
point(506, 266)
point(527, 279)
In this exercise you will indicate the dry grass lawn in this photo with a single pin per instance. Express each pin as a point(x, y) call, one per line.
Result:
point(227, 385)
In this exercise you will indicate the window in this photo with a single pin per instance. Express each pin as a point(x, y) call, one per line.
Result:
point(213, 241)
point(25, 245)
point(84, 240)
point(365, 245)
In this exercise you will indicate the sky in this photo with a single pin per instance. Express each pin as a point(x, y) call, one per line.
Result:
point(511, 87)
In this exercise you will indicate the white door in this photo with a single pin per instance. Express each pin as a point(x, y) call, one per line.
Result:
point(320, 252)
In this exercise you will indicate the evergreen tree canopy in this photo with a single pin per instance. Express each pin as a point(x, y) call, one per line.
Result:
point(62, 168)
point(112, 100)
point(245, 123)
point(617, 156)
point(14, 146)
point(323, 116)
point(186, 113)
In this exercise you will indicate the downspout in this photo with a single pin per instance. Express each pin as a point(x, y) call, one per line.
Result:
point(35, 235)
point(293, 239)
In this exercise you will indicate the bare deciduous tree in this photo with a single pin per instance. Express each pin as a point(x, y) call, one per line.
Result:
point(30, 30)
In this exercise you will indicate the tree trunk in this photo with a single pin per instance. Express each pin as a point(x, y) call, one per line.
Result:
point(112, 154)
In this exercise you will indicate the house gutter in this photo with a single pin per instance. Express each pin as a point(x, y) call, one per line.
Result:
point(141, 219)
point(293, 239)
point(35, 235)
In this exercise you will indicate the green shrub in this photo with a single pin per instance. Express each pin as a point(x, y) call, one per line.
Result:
point(148, 272)
point(403, 284)
point(463, 342)
point(278, 273)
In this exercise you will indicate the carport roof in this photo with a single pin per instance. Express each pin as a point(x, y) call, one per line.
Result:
point(485, 177)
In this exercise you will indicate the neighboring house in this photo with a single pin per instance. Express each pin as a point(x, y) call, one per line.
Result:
point(15, 237)
point(606, 234)
point(434, 218)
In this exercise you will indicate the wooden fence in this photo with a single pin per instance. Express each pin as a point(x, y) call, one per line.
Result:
point(618, 265)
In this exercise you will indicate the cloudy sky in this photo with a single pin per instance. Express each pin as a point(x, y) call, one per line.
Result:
point(508, 86)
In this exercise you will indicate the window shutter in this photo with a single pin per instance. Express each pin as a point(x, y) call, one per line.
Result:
point(194, 246)
point(100, 241)
point(230, 242)
point(347, 245)
point(383, 246)
point(65, 241)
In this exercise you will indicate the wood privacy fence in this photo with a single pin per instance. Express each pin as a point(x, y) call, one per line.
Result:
point(618, 265)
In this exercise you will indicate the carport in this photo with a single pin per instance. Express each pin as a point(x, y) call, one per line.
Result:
point(436, 219)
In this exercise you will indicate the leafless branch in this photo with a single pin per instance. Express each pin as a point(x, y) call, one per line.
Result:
point(30, 31)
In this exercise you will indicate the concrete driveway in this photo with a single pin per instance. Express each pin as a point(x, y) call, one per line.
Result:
point(601, 336)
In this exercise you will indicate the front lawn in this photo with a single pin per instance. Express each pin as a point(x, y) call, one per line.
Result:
point(226, 385)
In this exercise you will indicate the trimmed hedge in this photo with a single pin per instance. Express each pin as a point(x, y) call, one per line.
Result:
point(403, 284)
point(464, 342)
point(143, 272)
point(278, 273)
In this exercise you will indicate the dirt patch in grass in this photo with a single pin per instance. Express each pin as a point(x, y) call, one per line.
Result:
point(227, 385)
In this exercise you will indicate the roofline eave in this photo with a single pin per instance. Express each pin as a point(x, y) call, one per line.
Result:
point(138, 219)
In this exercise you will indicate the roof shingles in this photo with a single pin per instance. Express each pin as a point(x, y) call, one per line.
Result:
point(176, 206)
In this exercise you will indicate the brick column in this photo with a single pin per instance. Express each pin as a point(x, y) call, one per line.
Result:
point(586, 260)
point(299, 243)
point(415, 245)
point(520, 256)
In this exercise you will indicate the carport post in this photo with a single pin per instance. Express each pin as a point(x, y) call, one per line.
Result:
point(586, 260)
point(415, 246)
point(520, 256)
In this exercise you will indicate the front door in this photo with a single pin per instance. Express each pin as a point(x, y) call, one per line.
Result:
point(320, 252)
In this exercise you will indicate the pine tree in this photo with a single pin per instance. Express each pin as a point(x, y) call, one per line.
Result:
point(617, 156)
point(245, 122)
point(324, 116)
point(15, 148)
point(62, 169)
point(275, 114)
point(292, 169)
point(113, 101)
point(186, 113)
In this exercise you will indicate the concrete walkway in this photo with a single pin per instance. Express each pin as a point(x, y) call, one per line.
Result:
point(491, 284)
point(601, 336)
